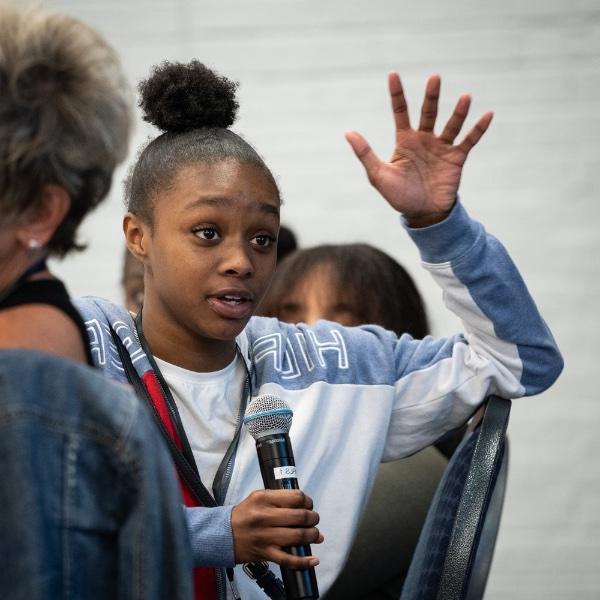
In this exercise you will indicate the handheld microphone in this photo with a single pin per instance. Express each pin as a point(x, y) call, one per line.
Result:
point(268, 419)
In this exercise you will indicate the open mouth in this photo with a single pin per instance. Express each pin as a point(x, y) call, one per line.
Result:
point(233, 300)
point(231, 306)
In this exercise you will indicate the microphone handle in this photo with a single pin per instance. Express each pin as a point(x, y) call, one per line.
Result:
point(278, 471)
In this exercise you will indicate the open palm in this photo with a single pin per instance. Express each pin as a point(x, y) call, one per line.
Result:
point(422, 178)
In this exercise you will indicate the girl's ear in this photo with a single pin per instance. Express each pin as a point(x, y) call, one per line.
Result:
point(39, 225)
point(137, 236)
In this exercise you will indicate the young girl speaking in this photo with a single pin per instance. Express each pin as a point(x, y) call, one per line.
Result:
point(203, 218)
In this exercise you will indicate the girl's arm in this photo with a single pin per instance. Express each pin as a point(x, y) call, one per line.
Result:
point(507, 348)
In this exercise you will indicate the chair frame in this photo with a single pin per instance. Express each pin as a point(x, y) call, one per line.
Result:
point(486, 463)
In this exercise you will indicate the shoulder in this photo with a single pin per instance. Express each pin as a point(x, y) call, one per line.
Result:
point(41, 327)
point(92, 307)
point(299, 355)
point(101, 317)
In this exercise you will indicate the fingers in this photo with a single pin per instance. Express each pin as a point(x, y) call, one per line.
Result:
point(268, 520)
point(456, 121)
point(399, 106)
point(281, 508)
point(286, 498)
point(475, 134)
point(364, 153)
point(430, 104)
point(279, 556)
point(284, 537)
point(293, 517)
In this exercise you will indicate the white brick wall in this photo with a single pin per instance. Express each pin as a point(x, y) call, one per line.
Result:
point(308, 72)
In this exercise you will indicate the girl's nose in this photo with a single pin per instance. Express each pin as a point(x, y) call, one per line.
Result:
point(237, 262)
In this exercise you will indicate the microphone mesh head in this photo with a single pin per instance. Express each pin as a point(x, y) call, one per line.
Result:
point(268, 413)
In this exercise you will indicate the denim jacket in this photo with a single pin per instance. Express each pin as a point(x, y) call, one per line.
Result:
point(89, 504)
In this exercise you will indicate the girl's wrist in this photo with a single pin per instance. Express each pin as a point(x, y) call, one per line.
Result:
point(418, 221)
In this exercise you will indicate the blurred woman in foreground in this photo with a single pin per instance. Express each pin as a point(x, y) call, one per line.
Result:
point(89, 501)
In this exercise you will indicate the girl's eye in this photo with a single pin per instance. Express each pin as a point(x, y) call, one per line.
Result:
point(207, 233)
point(263, 240)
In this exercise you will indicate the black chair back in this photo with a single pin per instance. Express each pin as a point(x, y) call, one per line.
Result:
point(455, 549)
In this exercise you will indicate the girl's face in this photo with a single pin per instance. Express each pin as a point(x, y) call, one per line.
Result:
point(210, 253)
point(315, 297)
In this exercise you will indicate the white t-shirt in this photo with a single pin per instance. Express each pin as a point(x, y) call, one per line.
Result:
point(208, 404)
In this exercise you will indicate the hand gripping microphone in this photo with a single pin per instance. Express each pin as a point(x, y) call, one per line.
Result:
point(268, 419)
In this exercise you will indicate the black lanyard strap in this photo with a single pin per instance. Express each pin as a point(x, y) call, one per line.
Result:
point(186, 465)
point(221, 481)
point(265, 579)
point(185, 470)
point(186, 449)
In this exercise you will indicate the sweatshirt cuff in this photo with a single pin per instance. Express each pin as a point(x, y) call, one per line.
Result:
point(211, 536)
point(447, 240)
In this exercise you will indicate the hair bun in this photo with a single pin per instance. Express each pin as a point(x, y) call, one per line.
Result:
point(178, 97)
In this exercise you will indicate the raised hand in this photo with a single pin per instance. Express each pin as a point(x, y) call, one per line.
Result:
point(268, 520)
point(422, 178)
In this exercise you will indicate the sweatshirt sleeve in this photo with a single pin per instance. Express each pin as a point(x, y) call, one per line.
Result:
point(211, 536)
point(506, 347)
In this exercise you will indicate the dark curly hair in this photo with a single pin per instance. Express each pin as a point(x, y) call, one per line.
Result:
point(194, 107)
point(65, 116)
point(375, 287)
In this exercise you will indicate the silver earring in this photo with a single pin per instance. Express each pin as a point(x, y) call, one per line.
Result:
point(33, 244)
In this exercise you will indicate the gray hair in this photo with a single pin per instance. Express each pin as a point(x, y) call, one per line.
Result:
point(65, 115)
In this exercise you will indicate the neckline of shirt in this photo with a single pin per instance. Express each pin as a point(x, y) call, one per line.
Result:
point(174, 371)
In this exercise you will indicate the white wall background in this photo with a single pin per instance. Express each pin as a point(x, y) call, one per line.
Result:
point(311, 70)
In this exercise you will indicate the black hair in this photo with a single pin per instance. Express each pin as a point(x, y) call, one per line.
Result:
point(286, 242)
point(376, 288)
point(194, 107)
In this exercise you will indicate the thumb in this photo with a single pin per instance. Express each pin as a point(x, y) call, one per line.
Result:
point(363, 152)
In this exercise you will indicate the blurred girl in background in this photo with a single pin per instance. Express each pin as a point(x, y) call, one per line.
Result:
point(356, 284)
